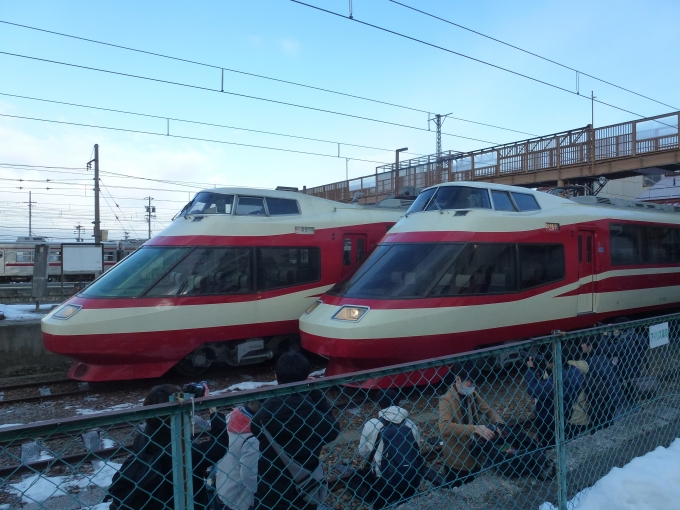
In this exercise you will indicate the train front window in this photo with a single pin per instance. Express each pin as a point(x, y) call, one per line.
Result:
point(208, 271)
point(421, 202)
point(134, 274)
point(210, 203)
point(459, 197)
point(399, 271)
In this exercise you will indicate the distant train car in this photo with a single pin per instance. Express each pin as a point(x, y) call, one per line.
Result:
point(225, 283)
point(16, 259)
point(476, 264)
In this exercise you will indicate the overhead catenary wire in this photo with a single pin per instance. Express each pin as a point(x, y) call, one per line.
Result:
point(201, 123)
point(453, 52)
point(223, 68)
point(236, 94)
point(533, 54)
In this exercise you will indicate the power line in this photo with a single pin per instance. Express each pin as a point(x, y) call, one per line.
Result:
point(533, 54)
point(495, 66)
point(175, 119)
point(222, 68)
point(236, 94)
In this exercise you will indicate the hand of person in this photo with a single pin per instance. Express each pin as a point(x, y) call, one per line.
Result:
point(484, 432)
point(530, 362)
point(207, 390)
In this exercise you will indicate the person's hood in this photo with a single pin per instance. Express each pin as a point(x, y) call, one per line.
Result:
point(239, 422)
point(582, 365)
point(394, 414)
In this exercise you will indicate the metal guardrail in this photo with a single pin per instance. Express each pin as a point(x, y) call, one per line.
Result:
point(582, 146)
point(612, 394)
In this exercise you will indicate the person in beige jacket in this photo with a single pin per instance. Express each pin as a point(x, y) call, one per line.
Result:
point(462, 412)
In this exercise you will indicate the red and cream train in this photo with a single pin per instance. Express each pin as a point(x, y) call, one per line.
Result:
point(226, 282)
point(477, 264)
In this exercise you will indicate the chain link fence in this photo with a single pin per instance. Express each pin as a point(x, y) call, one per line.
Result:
point(529, 425)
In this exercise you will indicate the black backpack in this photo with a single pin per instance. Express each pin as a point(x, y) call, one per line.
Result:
point(143, 481)
point(401, 461)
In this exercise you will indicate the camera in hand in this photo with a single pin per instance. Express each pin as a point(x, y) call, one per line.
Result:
point(197, 389)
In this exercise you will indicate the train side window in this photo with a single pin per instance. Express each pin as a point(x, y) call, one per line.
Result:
point(282, 206)
point(589, 249)
point(661, 245)
point(541, 264)
point(54, 256)
point(109, 256)
point(347, 252)
point(480, 269)
point(208, 271)
point(361, 249)
point(285, 267)
point(502, 202)
point(525, 202)
point(24, 256)
point(250, 206)
point(624, 241)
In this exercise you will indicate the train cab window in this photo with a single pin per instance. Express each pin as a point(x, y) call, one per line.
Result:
point(282, 206)
point(421, 201)
point(208, 271)
point(211, 203)
point(540, 264)
point(285, 267)
point(480, 269)
point(459, 197)
point(250, 206)
point(136, 273)
point(502, 202)
point(525, 202)
point(24, 256)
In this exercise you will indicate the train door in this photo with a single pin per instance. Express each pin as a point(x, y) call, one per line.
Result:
point(585, 271)
point(354, 250)
point(2, 261)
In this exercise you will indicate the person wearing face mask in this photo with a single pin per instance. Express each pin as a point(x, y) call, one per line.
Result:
point(462, 410)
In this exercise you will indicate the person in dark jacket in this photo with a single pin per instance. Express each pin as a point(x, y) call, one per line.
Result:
point(541, 386)
point(603, 387)
point(301, 424)
point(628, 351)
point(154, 442)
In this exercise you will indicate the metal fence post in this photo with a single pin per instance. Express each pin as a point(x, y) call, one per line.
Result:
point(559, 426)
point(182, 470)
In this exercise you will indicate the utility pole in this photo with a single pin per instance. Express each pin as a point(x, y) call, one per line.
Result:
point(30, 215)
point(150, 210)
point(438, 122)
point(78, 228)
point(97, 222)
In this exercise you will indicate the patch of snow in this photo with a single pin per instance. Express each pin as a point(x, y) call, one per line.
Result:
point(39, 488)
point(650, 482)
point(108, 443)
point(7, 425)
point(25, 312)
point(43, 456)
point(100, 506)
point(318, 373)
point(244, 386)
point(118, 407)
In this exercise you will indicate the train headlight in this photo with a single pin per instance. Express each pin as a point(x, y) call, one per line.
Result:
point(66, 312)
point(350, 313)
point(314, 306)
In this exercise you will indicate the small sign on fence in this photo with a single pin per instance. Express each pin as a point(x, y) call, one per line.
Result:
point(658, 335)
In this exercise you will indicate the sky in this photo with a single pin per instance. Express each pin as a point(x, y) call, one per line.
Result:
point(628, 45)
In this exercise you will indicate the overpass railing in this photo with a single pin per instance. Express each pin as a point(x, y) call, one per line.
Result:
point(612, 394)
point(580, 146)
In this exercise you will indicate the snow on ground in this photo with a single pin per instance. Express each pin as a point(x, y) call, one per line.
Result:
point(25, 312)
point(250, 385)
point(6, 425)
point(118, 407)
point(318, 373)
point(38, 488)
point(650, 482)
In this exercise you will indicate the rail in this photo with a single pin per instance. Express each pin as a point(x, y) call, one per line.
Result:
point(611, 395)
point(589, 152)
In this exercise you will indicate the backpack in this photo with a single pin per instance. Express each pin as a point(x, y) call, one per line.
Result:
point(512, 453)
point(143, 481)
point(401, 461)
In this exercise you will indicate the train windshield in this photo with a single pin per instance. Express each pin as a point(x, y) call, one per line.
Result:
point(210, 203)
point(134, 274)
point(399, 270)
point(451, 197)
